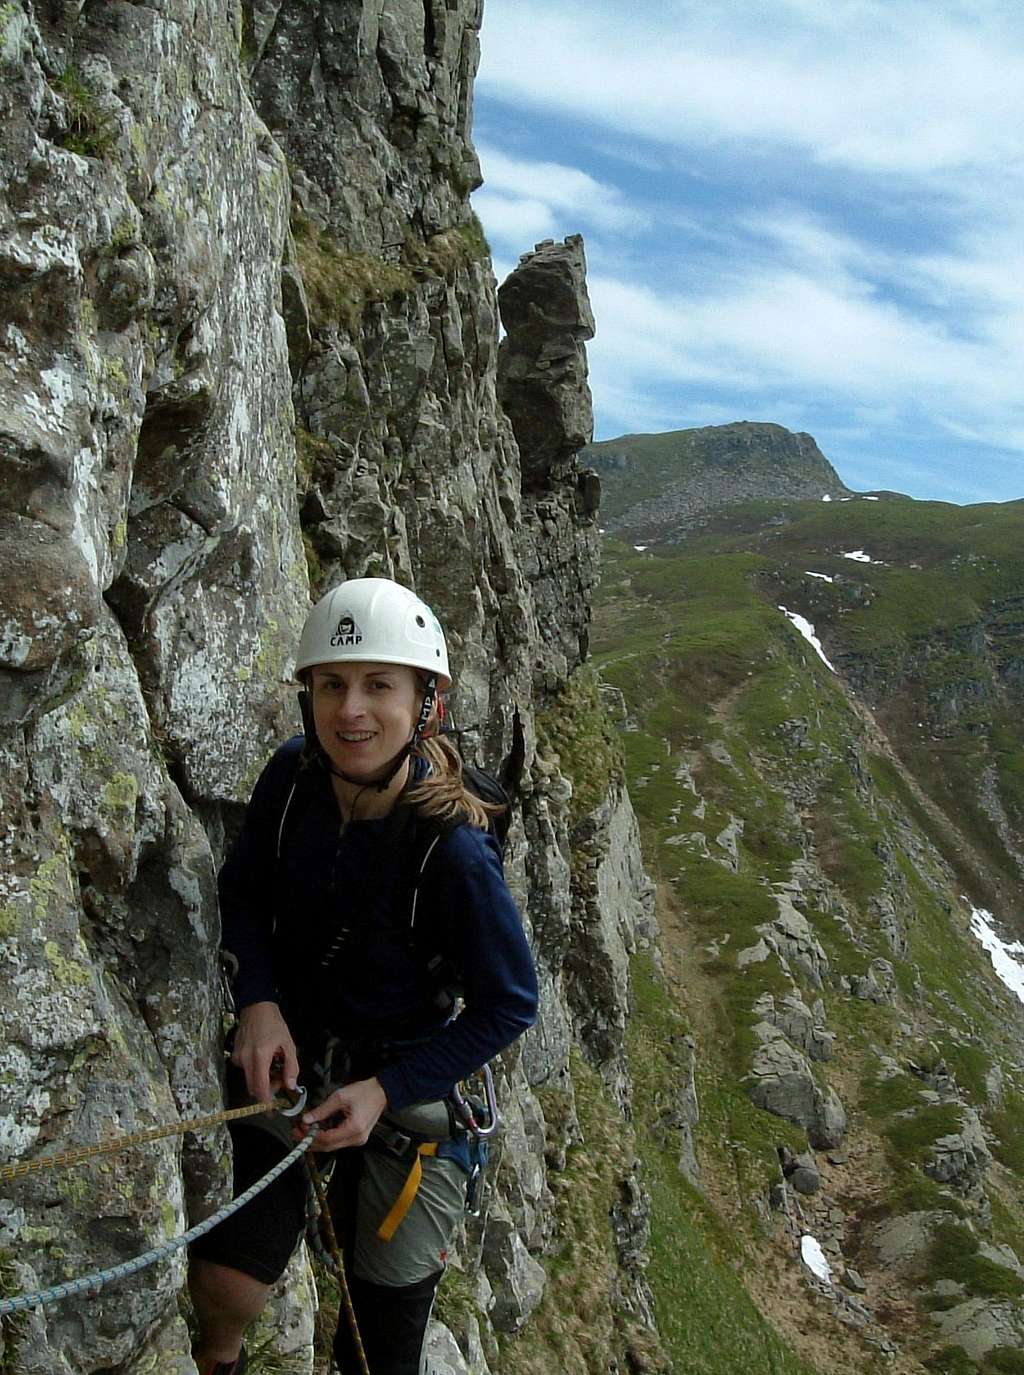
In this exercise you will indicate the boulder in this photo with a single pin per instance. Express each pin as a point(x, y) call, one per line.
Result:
point(782, 1082)
point(962, 1158)
point(517, 1279)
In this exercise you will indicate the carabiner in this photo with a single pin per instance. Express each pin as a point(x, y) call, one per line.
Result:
point(465, 1112)
point(298, 1102)
point(492, 1104)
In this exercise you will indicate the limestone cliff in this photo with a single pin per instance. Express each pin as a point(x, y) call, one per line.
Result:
point(248, 347)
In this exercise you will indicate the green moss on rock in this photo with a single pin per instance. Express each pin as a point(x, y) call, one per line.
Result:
point(339, 285)
point(574, 726)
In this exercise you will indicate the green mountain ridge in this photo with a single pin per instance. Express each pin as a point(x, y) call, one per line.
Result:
point(822, 841)
point(657, 486)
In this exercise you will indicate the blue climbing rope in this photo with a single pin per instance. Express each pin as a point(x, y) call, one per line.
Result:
point(90, 1284)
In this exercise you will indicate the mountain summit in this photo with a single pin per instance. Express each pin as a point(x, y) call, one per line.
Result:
point(656, 486)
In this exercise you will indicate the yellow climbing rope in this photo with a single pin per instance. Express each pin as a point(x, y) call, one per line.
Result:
point(123, 1143)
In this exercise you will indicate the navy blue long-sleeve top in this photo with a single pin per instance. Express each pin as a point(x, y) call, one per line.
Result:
point(282, 911)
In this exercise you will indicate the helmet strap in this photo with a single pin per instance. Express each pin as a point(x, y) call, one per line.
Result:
point(426, 708)
point(312, 747)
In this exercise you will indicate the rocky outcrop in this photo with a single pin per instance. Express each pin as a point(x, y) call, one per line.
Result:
point(542, 362)
point(249, 347)
point(658, 487)
point(782, 1082)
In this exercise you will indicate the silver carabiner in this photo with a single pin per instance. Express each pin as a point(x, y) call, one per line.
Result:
point(297, 1106)
point(465, 1112)
point(492, 1104)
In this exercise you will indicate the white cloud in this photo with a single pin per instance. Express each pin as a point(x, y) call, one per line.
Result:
point(561, 188)
point(511, 220)
point(883, 86)
point(892, 306)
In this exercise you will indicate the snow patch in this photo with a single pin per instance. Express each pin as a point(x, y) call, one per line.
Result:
point(826, 497)
point(859, 556)
point(825, 577)
point(807, 631)
point(814, 1258)
point(1006, 957)
point(640, 548)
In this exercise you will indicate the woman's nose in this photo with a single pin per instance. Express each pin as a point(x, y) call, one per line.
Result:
point(350, 703)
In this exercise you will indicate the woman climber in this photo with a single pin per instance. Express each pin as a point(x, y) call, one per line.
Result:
point(365, 885)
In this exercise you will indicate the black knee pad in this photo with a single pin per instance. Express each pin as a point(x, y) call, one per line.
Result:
point(392, 1325)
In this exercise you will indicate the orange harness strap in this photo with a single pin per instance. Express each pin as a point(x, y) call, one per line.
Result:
point(404, 1201)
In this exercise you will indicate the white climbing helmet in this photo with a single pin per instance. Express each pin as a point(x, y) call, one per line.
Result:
point(374, 620)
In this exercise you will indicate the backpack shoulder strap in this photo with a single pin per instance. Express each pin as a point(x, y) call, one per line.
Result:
point(301, 774)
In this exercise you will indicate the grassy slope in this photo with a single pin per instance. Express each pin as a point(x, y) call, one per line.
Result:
point(714, 679)
point(929, 633)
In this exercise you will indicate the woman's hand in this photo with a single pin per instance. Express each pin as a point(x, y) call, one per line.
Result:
point(358, 1106)
point(264, 1050)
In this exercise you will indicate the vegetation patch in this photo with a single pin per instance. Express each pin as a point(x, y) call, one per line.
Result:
point(339, 285)
point(1003, 1360)
point(951, 1360)
point(448, 253)
point(881, 1098)
point(89, 132)
point(912, 1136)
point(954, 1255)
point(1007, 1124)
point(912, 1191)
point(14, 1327)
point(574, 727)
point(577, 1325)
point(706, 1318)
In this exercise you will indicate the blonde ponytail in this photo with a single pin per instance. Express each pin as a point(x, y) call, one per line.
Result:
point(443, 793)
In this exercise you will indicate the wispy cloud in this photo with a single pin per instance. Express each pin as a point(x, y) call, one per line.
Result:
point(882, 85)
point(560, 187)
point(798, 212)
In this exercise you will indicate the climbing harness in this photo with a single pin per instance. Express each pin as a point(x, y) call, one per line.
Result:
point(410, 1189)
point(469, 1149)
point(91, 1284)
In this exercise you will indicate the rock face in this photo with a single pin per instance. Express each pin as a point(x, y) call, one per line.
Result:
point(782, 1082)
point(248, 348)
point(542, 364)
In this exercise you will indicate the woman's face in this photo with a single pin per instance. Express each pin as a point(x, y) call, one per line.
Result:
point(364, 713)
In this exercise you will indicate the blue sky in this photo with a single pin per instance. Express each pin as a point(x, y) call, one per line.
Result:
point(803, 211)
